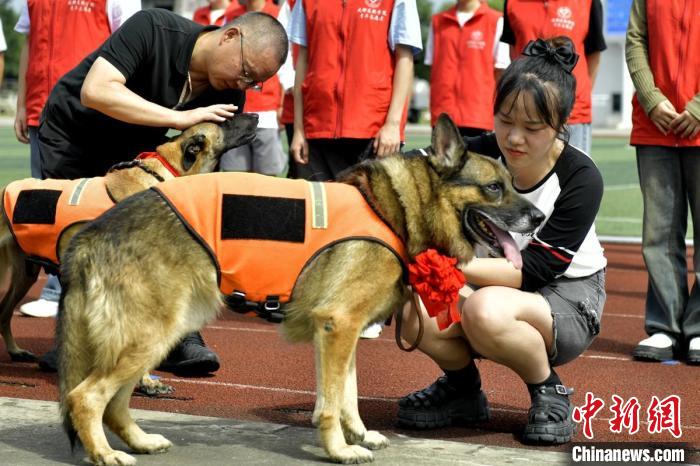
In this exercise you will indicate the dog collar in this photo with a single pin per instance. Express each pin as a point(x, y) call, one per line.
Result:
point(157, 156)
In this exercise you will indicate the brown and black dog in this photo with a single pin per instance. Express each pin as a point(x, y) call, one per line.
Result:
point(450, 200)
point(195, 150)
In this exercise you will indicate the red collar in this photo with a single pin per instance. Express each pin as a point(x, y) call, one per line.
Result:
point(157, 156)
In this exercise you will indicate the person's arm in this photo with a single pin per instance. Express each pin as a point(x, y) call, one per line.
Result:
point(21, 129)
point(299, 145)
point(388, 139)
point(492, 271)
point(104, 90)
point(660, 110)
point(593, 61)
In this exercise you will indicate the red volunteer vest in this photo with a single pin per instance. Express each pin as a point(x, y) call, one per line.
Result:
point(533, 19)
point(462, 83)
point(39, 211)
point(262, 231)
point(673, 40)
point(63, 32)
point(270, 98)
point(350, 72)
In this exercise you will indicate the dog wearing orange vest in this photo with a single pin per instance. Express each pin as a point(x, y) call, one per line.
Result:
point(30, 237)
point(449, 200)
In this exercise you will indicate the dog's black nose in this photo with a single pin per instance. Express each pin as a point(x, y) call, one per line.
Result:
point(537, 216)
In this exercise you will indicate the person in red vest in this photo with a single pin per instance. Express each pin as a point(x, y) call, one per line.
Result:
point(466, 56)
point(214, 12)
point(286, 74)
point(59, 35)
point(666, 135)
point(353, 79)
point(264, 155)
point(579, 20)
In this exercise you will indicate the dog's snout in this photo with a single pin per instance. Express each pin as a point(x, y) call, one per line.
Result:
point(536, 216)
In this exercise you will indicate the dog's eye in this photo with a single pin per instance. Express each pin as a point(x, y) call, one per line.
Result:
point(494, 188)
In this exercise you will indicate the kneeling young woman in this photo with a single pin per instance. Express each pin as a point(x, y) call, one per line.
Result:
point(546, 311)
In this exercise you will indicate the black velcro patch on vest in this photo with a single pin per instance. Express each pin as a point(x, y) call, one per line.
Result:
point(37, 206)
point(264, 218)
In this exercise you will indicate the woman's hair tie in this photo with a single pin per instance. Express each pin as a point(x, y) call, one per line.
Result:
point(562, 53)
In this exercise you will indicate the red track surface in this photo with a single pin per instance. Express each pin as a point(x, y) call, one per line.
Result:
point(264, 378)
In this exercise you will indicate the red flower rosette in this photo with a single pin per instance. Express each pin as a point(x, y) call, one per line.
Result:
point(437, 281)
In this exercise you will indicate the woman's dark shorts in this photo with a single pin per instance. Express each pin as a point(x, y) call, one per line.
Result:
point(577, 307)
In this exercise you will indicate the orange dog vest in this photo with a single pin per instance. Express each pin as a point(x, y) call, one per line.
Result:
point(39, 211)
point(262, 231)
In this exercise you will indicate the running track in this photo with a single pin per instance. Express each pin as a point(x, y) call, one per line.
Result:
point(263, 378)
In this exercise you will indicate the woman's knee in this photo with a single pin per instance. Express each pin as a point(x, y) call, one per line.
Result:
point(481, 314)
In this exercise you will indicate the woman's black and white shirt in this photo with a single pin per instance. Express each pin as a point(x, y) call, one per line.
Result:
point(565, 244)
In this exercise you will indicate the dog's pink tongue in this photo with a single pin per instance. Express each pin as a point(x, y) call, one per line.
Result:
point(510, 249)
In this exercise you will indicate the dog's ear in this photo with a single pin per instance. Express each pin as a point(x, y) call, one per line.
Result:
point(447, 144)
point(191, 147)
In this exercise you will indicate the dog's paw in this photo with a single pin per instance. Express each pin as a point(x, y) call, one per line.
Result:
point(113, 458)
point(374, 440)
point(150, 443)
point(153, 388)
point(351, 454)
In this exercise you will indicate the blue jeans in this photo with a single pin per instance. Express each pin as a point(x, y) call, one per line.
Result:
point(52, 289)
point(670, 182)
point(580, 137)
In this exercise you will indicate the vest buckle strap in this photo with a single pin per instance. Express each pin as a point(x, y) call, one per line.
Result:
point(237, 302)
point(271, 309)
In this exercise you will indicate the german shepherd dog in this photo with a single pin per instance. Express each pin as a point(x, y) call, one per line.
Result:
point(195, 150)
point(449, 200)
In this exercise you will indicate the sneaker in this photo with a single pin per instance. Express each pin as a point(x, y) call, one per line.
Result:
point(371, 331)
point(49, 361)
point(549, 420)
point(658, 347)
point(190, 357)
point(441, 405)
point(40, 308)
point(693, 351)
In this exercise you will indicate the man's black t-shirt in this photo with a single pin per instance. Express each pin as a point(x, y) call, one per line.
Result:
point(153, 51)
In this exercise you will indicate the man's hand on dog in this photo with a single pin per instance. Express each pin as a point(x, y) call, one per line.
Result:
point(217, 113)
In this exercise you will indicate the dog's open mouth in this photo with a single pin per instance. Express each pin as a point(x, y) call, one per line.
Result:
point(480, 228)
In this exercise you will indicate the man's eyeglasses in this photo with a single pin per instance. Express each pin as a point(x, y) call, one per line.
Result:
point(247, 80)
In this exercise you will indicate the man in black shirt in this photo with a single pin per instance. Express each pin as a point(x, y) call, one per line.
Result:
point(157, 71)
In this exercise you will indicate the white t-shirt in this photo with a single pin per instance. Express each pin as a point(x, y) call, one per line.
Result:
point(3, 44)
point(118, 11)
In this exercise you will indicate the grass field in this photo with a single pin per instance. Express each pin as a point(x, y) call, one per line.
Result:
point(620, 214)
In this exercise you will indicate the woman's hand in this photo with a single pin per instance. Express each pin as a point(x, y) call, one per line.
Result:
point(685, 125)
point(662, 115)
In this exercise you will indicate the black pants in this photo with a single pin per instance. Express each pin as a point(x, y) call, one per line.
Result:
point(330, 157)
